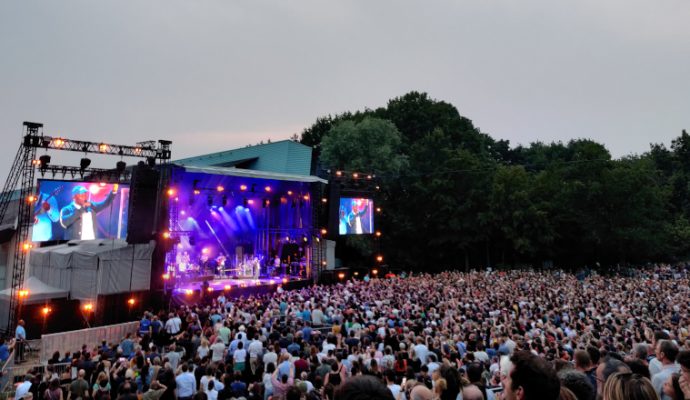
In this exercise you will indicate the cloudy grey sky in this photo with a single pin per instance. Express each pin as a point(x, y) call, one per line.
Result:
point(216, 74)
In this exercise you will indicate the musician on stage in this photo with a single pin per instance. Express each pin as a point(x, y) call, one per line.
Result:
point(220, 262)
point(276, 265)
point(203, 264)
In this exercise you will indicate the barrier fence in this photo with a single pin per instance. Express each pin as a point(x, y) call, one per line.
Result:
point(73, 340)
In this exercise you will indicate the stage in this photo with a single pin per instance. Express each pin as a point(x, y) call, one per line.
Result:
point(190, 292)
point(237, 232)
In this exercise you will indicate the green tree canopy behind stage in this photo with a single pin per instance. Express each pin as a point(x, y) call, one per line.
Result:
point(456, 197)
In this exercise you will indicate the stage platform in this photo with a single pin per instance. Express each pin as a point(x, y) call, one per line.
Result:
point(191, 292)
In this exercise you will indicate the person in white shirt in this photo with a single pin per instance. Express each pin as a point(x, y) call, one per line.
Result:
point(186, 384)
point(218, 350)
point(666, 352)
point(79, 217)
point(270, 356)
point(173, 324)
point(256, 350)
point(396, 390)
point(421, 351)
point(23, 387)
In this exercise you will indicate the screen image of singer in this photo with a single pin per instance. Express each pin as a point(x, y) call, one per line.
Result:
point(355, 216)
point(74, 210)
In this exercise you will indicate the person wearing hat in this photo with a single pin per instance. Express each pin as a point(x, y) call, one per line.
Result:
point(78, 217)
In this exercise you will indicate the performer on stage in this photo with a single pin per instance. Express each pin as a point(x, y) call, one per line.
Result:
point(79, 217)
point(183, 262)
point(256, 267)
point(220, 262)
point(359, 209)
point(276, 265)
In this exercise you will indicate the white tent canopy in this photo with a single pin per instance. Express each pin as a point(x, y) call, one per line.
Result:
point(91, 268)
point(38, 290)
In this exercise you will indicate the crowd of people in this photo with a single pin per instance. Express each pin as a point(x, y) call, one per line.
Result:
point(477, 335)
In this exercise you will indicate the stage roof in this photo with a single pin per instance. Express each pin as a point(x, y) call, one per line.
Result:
point(283, 157)
point(248, 173)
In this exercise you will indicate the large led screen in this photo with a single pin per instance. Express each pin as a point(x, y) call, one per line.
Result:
point(355, 216)
point(69, 210)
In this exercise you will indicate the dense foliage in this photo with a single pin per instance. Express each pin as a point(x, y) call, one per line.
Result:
point(455, 197)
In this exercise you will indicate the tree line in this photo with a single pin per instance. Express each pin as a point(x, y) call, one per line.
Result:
point(453, 196)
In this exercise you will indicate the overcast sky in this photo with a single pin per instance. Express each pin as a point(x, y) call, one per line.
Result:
point(216, 74)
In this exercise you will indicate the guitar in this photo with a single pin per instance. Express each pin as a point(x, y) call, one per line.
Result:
point(46, 213)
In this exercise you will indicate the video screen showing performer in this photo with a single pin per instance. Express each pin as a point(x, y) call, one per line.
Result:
point(356, 216)
point(68, 210)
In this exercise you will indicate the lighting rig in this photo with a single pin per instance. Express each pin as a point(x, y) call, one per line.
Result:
point(21, 179)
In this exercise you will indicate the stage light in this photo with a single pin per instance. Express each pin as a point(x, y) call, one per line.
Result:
point(324, 263)
point(341, 275)
point(379, 258)
point(227, 287)
point(23, 294)
point(94, 189)
point(324, 200)
point(137, 150)
point(188, 292)
point(58, 142)
point(338, 173)
point(131, 301)
point(101, 184)
point(166, 235)
point(368, 176)
point(356, 273)
point(166, 277)
point(378, 187)
point(324, 231)
point(88, 307)
point(374, 271)
point(220, 188)
point(197, 192)
point(250, 201)
point(267, 188)
point(378, 233)
point(306, 197)
point(205, 250)
point(289, 192)
point(84, 163)
point(287, 238)
point(355, 175)
point(102, 147)
point(304, 239)
point(266, 203)
point(210, 289)
point(183, 212)
point(35, 162)
point(272, 282)
point(27, 246)
point(120, 166)
point(171, 192)
point(46, 310)
point(31, 199)
point(243, 187)
point(44, 161)
point(285, 280)
point(378, 209)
